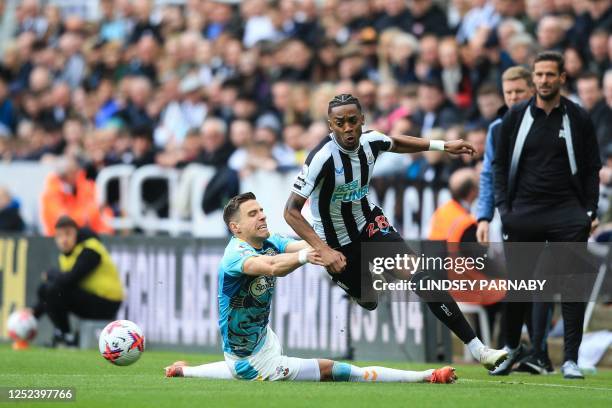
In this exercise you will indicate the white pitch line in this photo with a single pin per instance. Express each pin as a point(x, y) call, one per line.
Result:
point(536, 384)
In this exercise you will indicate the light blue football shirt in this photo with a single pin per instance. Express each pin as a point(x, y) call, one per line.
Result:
point(244, 301)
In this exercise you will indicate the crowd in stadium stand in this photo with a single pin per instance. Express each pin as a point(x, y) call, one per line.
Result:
point(244, 85)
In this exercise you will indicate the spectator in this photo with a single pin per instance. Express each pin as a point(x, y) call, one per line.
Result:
point(30, 18)
point(258, 24)
point(317, 131)
point(326, 62)
point(67, 191)
point(521, 49)
point(113, 27)
point(106, 104)
point(10, 219)
point(434, 109)
point(87, 283)
point(598, 15)
point(268, 132)
point(143, 148)
point(488, 101)
point(241, 136)
point(181, 115)
point(551, 33)
point(574, 66)
point(591, 99)
point(58, 107)
point(258, 156)
point(292, 139)
point(366, 92)
point(427, 17)
point(73, 72)
point(454, 75)
point(8, 113)
point(216, 151)
point(476, 134)
point(395, 14)
point(598, 49)
point(402, 58)
point(135, 113)
point(481, 18)
point(143, 24)
point(143, 63)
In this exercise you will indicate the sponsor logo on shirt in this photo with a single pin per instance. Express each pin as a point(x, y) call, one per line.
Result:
point(350, 192)
point(261, 285)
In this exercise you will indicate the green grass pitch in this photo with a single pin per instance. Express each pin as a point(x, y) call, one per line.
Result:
point(100, 384)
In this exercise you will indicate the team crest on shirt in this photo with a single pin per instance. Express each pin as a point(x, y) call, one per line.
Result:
point(370, 158)
point(284, 371)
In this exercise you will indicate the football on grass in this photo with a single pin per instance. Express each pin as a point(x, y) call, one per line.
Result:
point(121, 342)
point(21, 325)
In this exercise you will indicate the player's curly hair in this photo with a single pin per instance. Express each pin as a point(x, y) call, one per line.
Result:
point(343, 99)
point(233, 206)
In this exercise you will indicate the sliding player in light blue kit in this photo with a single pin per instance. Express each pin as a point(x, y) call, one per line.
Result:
point(252, 261)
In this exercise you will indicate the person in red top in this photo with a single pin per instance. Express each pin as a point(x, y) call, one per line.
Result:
point(68, 192)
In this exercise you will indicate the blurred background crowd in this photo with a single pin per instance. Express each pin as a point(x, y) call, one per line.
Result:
point(243, 86)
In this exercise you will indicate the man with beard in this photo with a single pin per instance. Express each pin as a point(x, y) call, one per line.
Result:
point(546, 189)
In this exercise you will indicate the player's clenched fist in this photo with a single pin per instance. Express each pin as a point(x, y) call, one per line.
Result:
point(334, 261)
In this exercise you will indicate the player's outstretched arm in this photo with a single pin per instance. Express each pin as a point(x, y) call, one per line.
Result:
point(280, 265)
point(296, 246)
point(333, 260)
point(411, 144)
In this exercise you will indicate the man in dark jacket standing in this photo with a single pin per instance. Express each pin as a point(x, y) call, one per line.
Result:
point(547, 187)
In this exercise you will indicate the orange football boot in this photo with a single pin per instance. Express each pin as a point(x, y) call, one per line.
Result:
point(176, 369)
point(444, 375)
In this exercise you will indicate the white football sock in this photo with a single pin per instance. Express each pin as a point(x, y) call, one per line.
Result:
point(218, 370)
point(340, 372)
point(476, 347)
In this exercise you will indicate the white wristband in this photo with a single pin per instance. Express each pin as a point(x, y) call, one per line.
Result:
point(303, 255)
point(437, 145)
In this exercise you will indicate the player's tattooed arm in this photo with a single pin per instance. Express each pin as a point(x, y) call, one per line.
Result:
point(333, 260)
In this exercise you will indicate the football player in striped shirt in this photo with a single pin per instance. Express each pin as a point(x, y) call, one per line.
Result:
point(336, 178)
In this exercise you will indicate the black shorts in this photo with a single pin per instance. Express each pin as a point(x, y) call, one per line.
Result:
point(356, 278)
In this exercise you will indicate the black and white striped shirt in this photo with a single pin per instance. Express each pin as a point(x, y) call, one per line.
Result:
point(337, 182)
